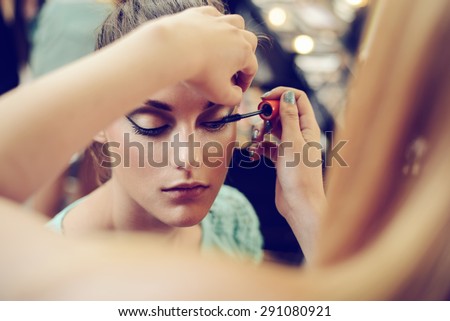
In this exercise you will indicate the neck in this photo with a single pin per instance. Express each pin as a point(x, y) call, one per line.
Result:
point(125, 214)
point(120, 212)
point(109, 208)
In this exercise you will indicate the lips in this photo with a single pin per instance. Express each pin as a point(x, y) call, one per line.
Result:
point(185, 191)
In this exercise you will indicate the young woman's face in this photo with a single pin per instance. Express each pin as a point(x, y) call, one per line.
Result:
point(172, 164)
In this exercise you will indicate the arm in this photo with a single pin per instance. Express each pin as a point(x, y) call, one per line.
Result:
point(45, 122)
point(39, 265)
point(300, 195)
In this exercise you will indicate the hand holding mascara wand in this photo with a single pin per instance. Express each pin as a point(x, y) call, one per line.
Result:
point(268, 110)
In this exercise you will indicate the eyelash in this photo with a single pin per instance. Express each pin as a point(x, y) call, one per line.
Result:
point(220, 125)
point(153, 132)
point(214, 127)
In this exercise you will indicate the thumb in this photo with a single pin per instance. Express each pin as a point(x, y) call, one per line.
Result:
point(290, 121)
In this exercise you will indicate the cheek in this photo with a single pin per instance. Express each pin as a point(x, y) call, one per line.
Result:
point(132, 152)
point(230, 144)
point(217, 151)
point(127, 153)
point(135, 151)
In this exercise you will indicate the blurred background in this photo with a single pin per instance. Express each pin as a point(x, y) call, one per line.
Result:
point(308, 44)
point(312, 46)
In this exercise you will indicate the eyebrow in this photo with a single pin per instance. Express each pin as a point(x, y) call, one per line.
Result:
point(163, 106)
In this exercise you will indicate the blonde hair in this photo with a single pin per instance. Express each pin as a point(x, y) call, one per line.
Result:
point(394, 198)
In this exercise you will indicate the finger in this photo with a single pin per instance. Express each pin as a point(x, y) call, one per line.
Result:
point(251, 38)
point(276, 93)
point(235, 20)
point(210, 10)
point(246, 75)
point(289, 117)
point(305, 108)
point(308, 123)
point(230, 95)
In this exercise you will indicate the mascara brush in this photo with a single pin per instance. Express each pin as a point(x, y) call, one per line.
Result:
point(266, 111)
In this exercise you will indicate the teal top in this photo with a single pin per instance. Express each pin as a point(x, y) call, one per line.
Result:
point(230, 226)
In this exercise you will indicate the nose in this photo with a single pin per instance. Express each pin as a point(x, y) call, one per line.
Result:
point(186, 150)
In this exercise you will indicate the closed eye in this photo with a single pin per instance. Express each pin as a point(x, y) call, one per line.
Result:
point(151, 132)
point(214, 125)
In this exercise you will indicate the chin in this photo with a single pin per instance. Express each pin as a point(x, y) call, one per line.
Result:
point(185, 217)
point(185, 222)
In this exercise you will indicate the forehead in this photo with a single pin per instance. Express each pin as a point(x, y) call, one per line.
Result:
point(181, 98)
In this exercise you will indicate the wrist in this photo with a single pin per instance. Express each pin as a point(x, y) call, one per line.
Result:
point(310, 206)
point(304, 221)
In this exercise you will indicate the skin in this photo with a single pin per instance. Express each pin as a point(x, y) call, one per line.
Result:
point(91, 87)
point(139, 195)
point(105, 99)
point(407, 259)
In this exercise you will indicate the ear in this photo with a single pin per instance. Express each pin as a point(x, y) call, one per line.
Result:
point(100, 137)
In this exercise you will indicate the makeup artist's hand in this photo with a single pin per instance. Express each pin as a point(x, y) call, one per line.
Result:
point(220, 52)
point(299, 187)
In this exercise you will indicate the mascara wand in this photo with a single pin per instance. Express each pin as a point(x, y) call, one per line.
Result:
point(265, 110)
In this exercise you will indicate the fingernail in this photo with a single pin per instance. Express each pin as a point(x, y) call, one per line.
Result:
point(266, 94)
point(289, 97)
point(255, 134)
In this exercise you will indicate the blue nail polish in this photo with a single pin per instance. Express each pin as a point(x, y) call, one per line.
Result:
point(266, 94)
point(289, 97)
